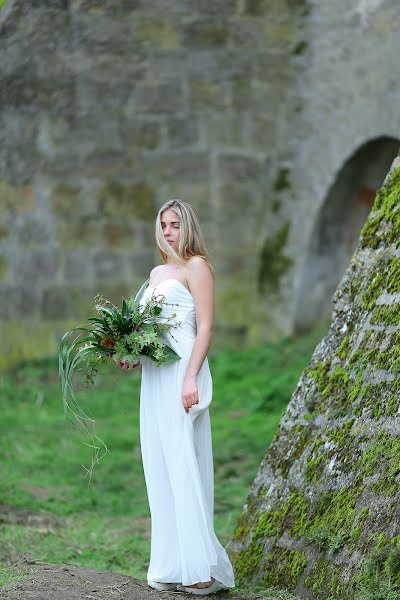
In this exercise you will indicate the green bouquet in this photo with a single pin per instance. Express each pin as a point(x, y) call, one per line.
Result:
point(124, 334)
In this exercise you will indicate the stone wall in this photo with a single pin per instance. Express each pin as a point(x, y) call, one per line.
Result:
point(322, 517)
point(246, 109)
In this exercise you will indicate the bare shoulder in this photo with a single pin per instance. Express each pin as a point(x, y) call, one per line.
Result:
point(198, 269)
point(154, 270)
point(201, 286)
point(198, 264)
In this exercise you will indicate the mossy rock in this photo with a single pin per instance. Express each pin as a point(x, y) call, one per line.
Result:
point(328, 488)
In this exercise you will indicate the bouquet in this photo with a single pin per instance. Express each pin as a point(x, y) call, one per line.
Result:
point(123, 334)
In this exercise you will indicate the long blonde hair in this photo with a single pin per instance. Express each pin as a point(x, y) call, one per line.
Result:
point(191, 241)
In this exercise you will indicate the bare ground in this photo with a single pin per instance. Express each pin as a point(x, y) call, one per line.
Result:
point(70, 582)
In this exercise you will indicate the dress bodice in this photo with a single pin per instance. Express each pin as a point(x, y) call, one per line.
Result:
point(178, 300)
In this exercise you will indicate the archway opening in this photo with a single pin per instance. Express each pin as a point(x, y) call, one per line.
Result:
point(337, 228)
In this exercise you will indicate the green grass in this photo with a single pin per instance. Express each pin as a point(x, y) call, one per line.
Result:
point(2, 3)
point(107, 525)
point(11, 574)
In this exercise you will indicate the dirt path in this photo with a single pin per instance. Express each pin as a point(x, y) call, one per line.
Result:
point(70, 582)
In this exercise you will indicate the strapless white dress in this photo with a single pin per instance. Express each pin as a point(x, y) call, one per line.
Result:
point(176, 449)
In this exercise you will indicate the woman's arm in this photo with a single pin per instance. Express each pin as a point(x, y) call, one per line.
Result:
point(201, 284)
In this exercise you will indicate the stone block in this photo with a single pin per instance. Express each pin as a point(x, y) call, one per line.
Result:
point(9, 295)
point(67, 144)
point(240, 168)
point(38, 265)
point(241, 202)
point(76, 264)
point(9, 197)
point(261, 131)
point(28, 301)
point(122, 199)
point(217, 8)
point(242, 93)
point(208, 95)
point(250, 35)
point(282, 33)
point(274, 73)
point(19, 161)
point(110, 107)
point(143, 134)
point(5, 232)
point(181, 166)
point(3, 266)
point(61, 302)
point(31, 231)
point(26, 92)
point(72, 200)
point(98, 32)
point(20, 301)
point(168, 7)
point(206, 33)
point(159, 99)
point(223, 128)
point(55, 303)
point(164, 65)
point(85, 231)
point(161, 32)
point(143, 231)
point(119, 234)
point(109, 265)
point(16, 199)
point(234, 61)
point(112, 8)
point(256, 8)
point(231, 298)
point(141, 262)
point(256, 97)
point(182, 132)
point(197, 194)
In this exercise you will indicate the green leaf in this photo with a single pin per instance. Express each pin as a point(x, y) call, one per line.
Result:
point(96, 320)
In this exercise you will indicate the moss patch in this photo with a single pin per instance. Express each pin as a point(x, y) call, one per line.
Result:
point(381, 456)
point(384, 226)
point(273, 261)
point(283, 567)
point(282, 180)
point(386, 315)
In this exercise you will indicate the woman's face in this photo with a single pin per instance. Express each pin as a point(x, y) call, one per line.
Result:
point(170, 224)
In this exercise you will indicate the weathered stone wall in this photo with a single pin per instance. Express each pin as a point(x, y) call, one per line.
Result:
point(322, 517)
point(247, 109)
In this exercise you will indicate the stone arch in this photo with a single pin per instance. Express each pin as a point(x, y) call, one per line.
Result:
point(336, 229)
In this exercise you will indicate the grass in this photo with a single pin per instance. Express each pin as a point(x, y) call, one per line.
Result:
point(11, 574)
point(107, 525)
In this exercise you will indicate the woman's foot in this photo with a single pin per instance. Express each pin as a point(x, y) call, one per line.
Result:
point(201, 584)
point(161, 587)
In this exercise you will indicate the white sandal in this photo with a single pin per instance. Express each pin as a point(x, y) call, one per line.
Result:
point(214, 587)
point(162, 587)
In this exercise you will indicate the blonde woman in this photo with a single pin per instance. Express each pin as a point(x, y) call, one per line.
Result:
point(175, 430)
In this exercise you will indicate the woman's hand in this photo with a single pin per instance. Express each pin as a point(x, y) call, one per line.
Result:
point(190, 394)
point(126, 366)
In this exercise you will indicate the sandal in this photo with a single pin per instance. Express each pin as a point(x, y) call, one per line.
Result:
point(215, 586)
point(162, 587)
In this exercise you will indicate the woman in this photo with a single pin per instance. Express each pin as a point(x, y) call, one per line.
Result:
point(175, 430)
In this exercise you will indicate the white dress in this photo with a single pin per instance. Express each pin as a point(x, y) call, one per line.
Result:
point(177, 457)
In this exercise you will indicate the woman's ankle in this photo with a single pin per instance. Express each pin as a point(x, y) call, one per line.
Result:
point(206, 584)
